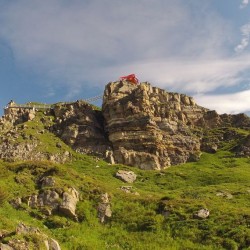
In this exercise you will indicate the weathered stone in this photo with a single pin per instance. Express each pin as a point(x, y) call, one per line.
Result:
point(243, 149)
point(126, 176)
point(203, 213)
point(81, 127)
point(139, 125)
point(104, 208)
point(16, 203)
point(48, 181)
point(225, 194)
point(49, 198)
point(19, 244)
point(52, 244)
point(129, 189)
point(24, 229)
point(69, 201)
point(110, 156)
point(5, 247)
point(32, 201)
point(148, 127)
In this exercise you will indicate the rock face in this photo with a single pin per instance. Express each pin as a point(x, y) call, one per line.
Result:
point(139, 125)
point(149, 127)
point(81, 127)
point(243, 149)
point(21, 142)
point(16, 115)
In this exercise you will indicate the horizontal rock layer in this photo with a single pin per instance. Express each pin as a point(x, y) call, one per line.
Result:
point(149, 127)
point(139, 125)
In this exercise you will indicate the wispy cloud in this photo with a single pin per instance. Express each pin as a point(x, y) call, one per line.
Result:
point(89, 43)
point(228, 103)
point(244, 4)
point(245, 31)
point(189, 75)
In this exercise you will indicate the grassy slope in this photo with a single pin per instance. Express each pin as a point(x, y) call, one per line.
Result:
point(137, 221)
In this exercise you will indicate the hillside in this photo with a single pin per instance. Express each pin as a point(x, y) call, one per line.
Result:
point(63, 185)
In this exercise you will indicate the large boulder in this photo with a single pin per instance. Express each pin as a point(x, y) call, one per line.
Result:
point(126, 176)
point(69, 201)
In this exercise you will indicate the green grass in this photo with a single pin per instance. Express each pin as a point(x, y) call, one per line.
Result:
point(219, 182)
point(137, 221)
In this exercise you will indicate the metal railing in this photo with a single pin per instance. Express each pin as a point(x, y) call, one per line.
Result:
point(48, 106)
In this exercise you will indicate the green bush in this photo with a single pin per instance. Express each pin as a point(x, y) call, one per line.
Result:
point(230, 244)
point(57, 222)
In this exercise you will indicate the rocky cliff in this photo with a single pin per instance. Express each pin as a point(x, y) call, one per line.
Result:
point(139, 125)
point(153, 129)
point(149, 127)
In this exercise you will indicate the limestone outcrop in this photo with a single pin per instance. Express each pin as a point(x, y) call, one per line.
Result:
point(28, 237)
point(81, 127)
point(139, 125)
point(69, 201)
point(149, 127)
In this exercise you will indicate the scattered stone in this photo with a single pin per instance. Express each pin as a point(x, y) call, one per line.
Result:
point(126, 176)
point(225, 194)
point(19, 244)
point(126, 189)
point(129, 189)
point(203, 213)
point(23, 229)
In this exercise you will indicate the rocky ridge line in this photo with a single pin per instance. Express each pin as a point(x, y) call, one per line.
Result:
point(139, 125)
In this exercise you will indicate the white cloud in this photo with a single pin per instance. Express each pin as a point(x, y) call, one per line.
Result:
point(244, 4)
point(228, 103)
point(186, 75)
point(168, 43)
point(245, 31)
point(73, 41)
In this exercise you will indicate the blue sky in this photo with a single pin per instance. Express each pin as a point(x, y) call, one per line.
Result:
point(64, 50)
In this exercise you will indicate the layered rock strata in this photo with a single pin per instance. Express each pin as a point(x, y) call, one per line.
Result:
point(81, 127)
point(149, 127)
point(139, 125)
